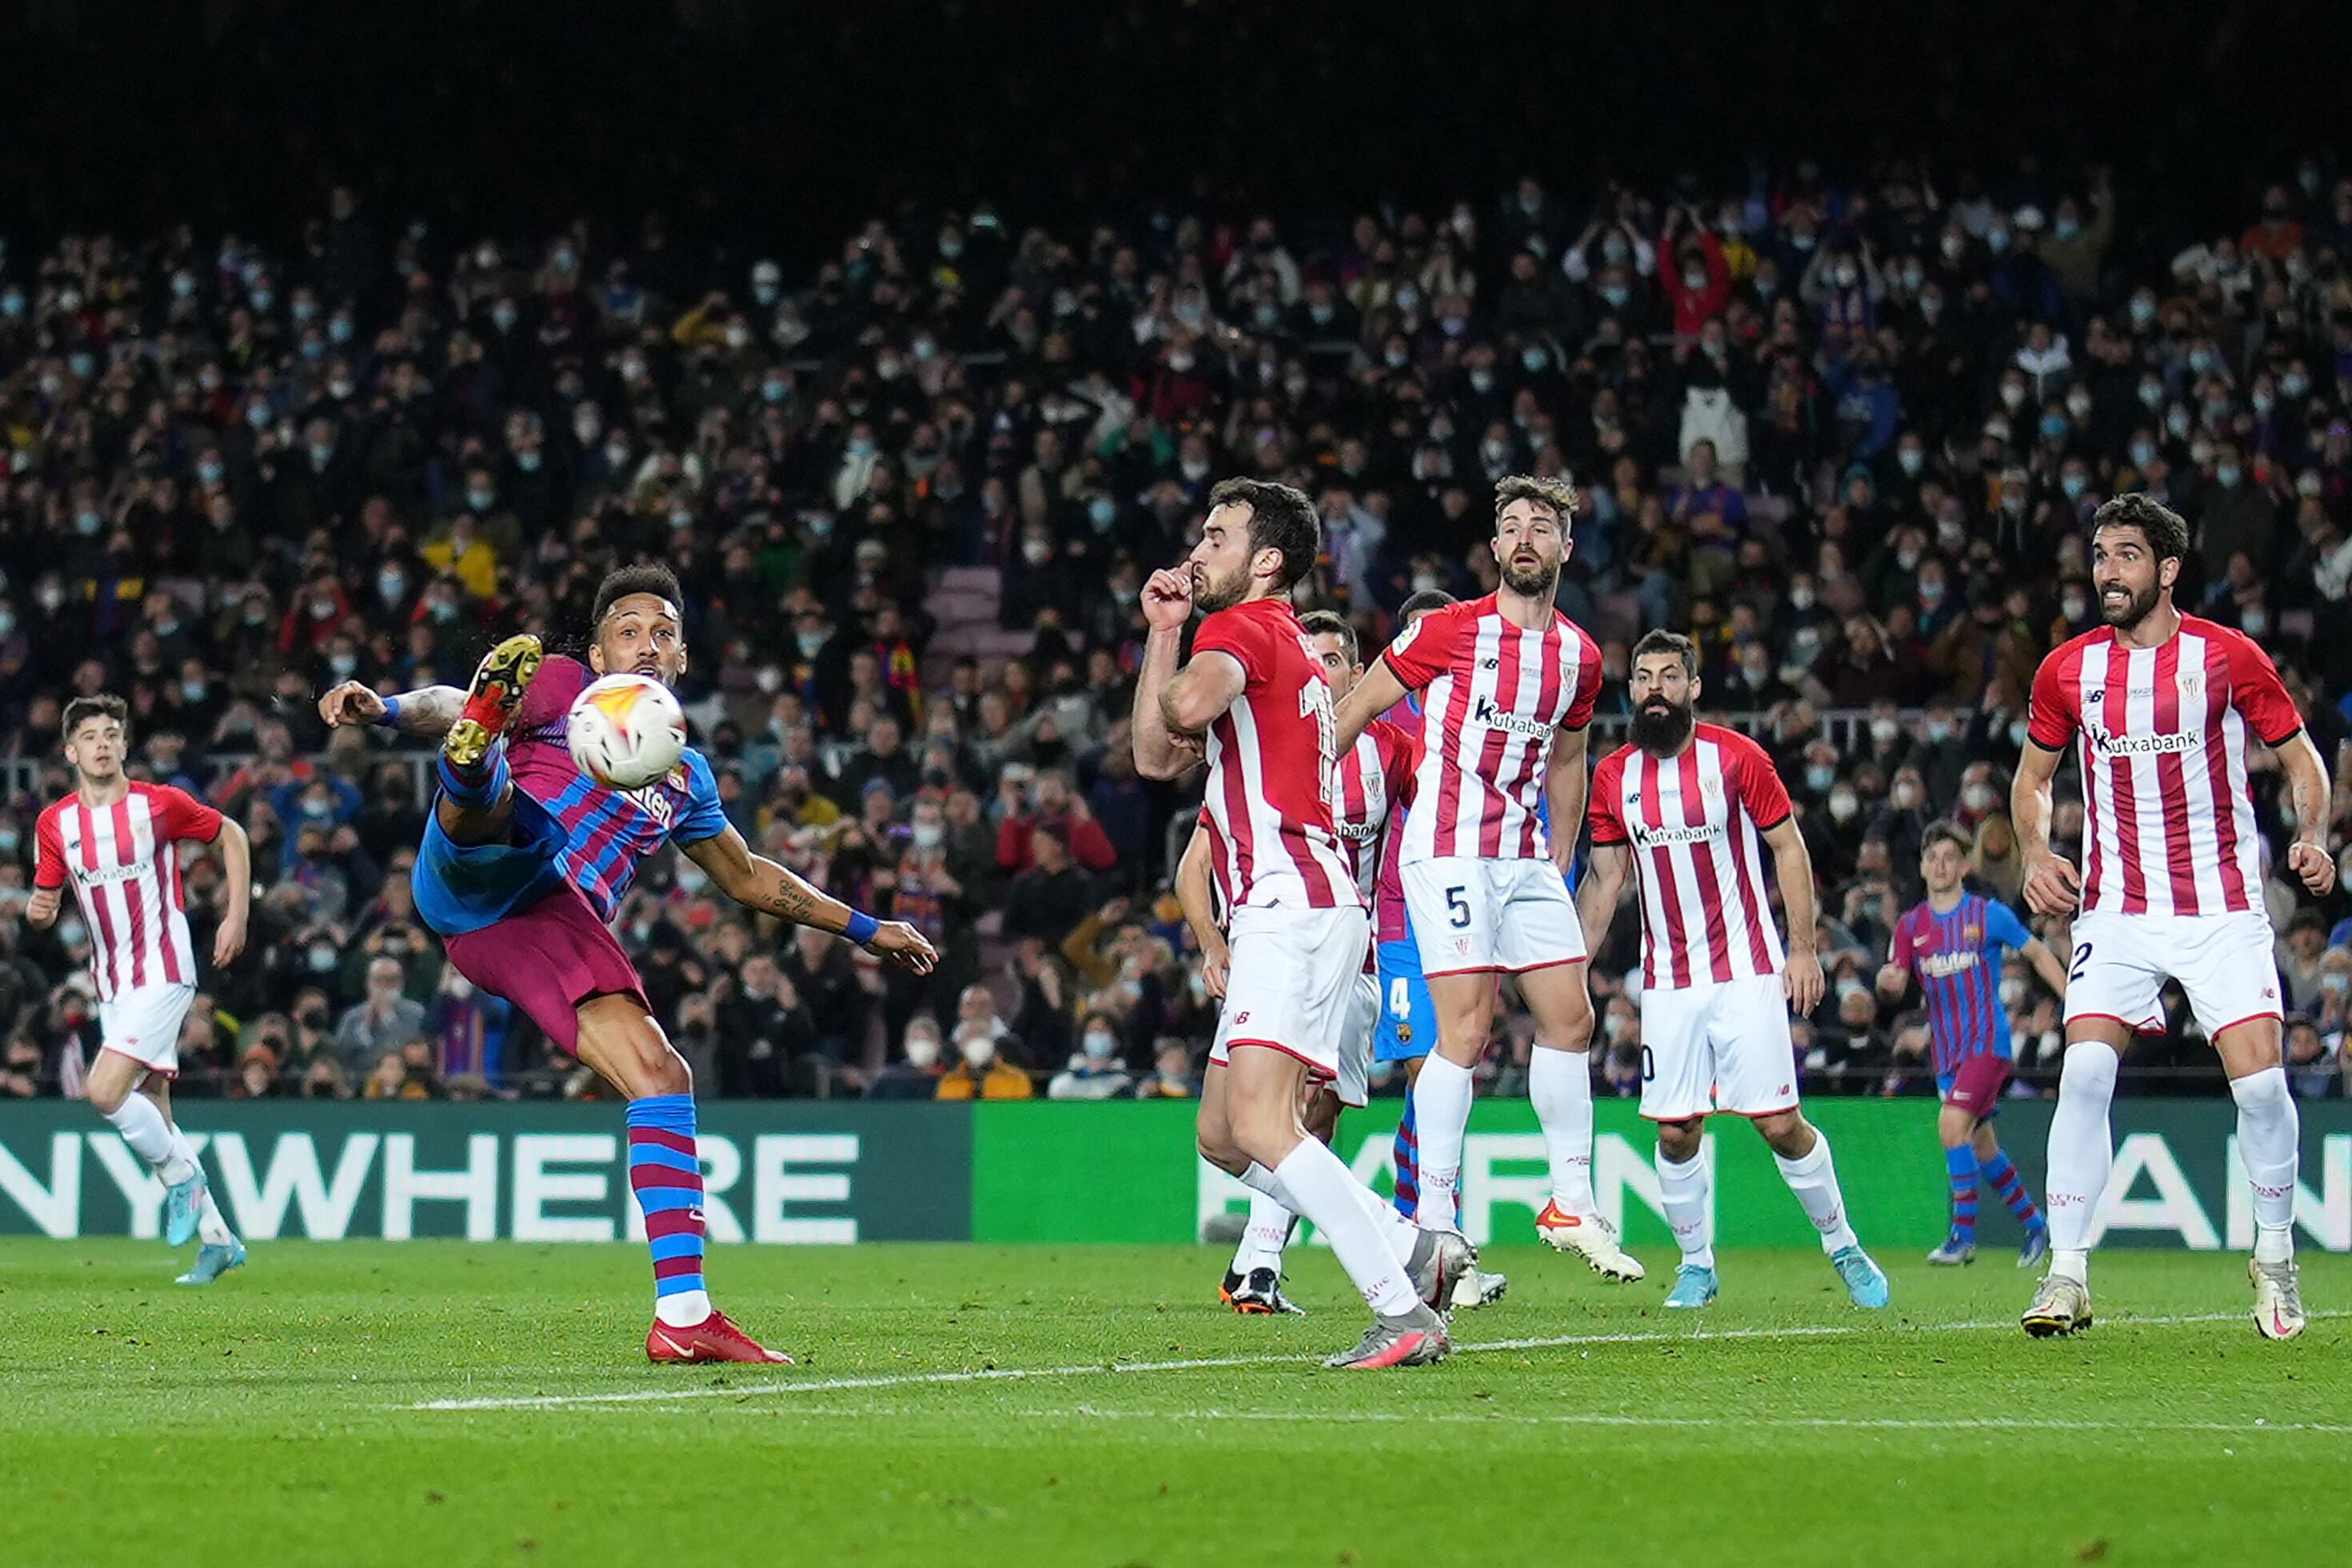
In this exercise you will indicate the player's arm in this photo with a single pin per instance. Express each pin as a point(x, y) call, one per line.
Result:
point(2052, 886)
point(1195, 898)
point(1596, 895)
point(1172, 703)
point(1379, 689)
point(2306, 783)
point(2046, 964)
point(758, 883)
point(1895, 975)
point(48, 873)
point(237, 872)
point(1565, 783)
point(1793, 863)
point(426, 711)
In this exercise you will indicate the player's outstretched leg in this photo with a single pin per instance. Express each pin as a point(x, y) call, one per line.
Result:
point(2269, 1131)
point(2082, 1153)
point(1954, 1124)
point(476, 793)
point(140, 1118)
point(1803, 1155)
point(620, 1040)
point(1682, 1191)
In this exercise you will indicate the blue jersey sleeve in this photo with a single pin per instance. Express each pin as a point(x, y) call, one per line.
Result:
point(702, 818)
point(2003, 928)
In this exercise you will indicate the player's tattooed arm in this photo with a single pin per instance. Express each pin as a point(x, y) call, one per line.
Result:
point(428, 711)
point(1376, 690)
point(1597, 895)
point(2306, 781)
point(758, 883)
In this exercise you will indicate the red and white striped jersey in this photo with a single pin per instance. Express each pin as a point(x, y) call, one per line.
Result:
point(1695, 823)
point(2168, 827)
point(1271, 766)
point(127, 879)
point(1369, 789)
point(1495, 696)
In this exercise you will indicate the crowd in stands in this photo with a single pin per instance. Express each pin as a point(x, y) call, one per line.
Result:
point(1846, 434)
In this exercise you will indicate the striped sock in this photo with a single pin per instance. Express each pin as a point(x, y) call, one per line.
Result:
point(1407, 1151)
point(477, 788)
point(1961, 1163)
point(667, 1179)
point(2004, 1177)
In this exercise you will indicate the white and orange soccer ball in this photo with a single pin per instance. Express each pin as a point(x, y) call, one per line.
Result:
point(626, 731)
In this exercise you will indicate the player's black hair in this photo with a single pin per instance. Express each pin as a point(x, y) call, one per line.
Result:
point(622, 581)
point(104, 706)
point(1422, 603)
point(1943, 830)
point(1330, 622)
point(1281, 519)
point(2167, 534)
point(1658, 639)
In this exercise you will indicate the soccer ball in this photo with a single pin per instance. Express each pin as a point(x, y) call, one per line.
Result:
point(626, 731)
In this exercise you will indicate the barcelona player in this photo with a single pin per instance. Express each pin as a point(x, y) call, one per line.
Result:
point(524, 862)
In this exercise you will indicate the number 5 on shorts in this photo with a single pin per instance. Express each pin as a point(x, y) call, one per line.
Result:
point(1458, 907)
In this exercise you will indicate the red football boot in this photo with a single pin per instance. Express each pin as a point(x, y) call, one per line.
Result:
point(713, 1339)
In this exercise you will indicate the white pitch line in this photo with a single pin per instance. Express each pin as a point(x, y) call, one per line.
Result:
point(1205, 1364)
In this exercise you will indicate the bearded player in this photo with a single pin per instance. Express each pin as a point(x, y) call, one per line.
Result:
point(1689, 809)
point(525, 860)
point(1254, 689)
point(115, 840)
point(1952, 941)
point(2159, 706)
point(1511, 686)
point(1366, 807)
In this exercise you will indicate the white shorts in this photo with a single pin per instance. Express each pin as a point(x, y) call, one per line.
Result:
point(1354, 1085)
point(143, 1024)
point(1719, 1046)
point(1291, 982)
point(2224, 962)
point(1471, 915)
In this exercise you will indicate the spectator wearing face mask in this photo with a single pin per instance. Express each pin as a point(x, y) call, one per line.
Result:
point(2300, 950)
point(379, 1023)
point(979, 1073)
point(1171, 1076)
point(1095, 1071)
point(915, 1073)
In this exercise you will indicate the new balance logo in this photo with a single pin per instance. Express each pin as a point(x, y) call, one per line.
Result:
point(1241, 1017)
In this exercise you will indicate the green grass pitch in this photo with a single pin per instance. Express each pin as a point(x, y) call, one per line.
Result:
point(274, 1418)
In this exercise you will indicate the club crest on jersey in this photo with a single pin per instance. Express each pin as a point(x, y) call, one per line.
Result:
point(1494, 717)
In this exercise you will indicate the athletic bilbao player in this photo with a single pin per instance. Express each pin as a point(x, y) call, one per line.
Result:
point(2159, 706)
point(1952, 941)
point(1297, 933)
point(1510, 685)
point(1690, 808)
point(1366, 806)
point(114, 840)
point(526, 859)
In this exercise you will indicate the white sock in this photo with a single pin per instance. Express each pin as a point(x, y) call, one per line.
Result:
point(1315, 1176)
point(1441, 1111)
point(1813, 1177)
point(1259, 1179)
point(142, 1126)
point(1683, 1190)
point(1560, 1085)
point(1401, 1232)
point(682, 1309)
point(1263, 1239)
point(212, 1227)
point(2269, 1131)
point(2082, 1152)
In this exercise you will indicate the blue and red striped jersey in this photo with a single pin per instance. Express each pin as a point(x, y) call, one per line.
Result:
point(1956, 957)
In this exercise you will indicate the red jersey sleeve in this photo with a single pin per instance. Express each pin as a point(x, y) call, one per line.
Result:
point(2258, 693)
point(2052, 718)
point(1601, 802)
point(1758, 784)
point(1423, 650)
point(1588, 680)
point(48, 852)
point(1241, 636)
point(181, 816)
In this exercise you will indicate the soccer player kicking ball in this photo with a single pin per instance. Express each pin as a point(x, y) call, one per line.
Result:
point(1297, 931)
point(113, 839)
point(1365, 807)
point(1953, 942)
point(2159, 706)
point(1510, 685)
point(525, 860)
point(1691, 809)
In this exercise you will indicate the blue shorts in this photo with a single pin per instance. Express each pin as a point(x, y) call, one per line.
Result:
point(464, 887)
point(1408, 1027)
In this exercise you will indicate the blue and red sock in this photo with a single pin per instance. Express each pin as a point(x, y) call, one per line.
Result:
point(478, 788)
point(2004, 1178)
point(1407, 1153)
point(1961, 1163)
point(667, 1177)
